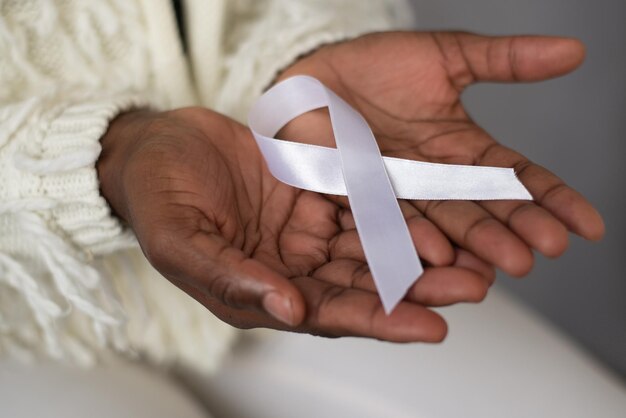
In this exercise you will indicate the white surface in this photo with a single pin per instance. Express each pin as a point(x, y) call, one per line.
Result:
point(120, 390)
point(498, 361)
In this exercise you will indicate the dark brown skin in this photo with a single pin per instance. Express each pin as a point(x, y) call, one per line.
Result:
point(211, 218)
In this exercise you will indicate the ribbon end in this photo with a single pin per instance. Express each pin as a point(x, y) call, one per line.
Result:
point(390, 302)
point(391, 296)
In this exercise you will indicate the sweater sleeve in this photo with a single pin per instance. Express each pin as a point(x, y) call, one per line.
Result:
point(53, 220)
point(264, 37)
point(66, 70)
point(49, 146)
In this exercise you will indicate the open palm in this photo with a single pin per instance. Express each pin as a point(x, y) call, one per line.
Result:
point(408, 86)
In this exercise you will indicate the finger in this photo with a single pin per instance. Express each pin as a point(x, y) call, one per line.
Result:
point(345, 219)
point(243, 319)
point(438, 286)
point(470, 58)
point(431, 244)
point(467, 260)
point(561, 205)
point(565, 203)
point(532, 223)
point(535, 225)
point(339, 311)
point(474, 229)
point(335, 312)
point(207, 262)
point(442, 286)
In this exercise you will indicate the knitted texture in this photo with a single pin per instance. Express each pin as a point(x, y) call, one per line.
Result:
point(279, 31)
point(73, 283)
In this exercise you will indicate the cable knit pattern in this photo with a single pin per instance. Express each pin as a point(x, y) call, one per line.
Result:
point(279, 31)
point(73, 283)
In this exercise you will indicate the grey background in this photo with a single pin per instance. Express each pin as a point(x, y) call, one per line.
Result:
point(574, 126)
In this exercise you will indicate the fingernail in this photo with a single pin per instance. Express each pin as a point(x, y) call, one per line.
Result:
point(279, 307)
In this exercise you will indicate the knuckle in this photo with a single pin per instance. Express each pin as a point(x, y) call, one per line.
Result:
point(479, 226)
point(224, 288)
point(323, 320)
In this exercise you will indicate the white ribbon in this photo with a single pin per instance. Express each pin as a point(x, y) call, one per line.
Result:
point(372, 183)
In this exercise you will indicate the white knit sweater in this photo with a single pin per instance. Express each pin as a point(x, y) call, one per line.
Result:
point(73, 284)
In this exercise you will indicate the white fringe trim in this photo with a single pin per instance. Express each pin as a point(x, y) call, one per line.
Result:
point(55, 300)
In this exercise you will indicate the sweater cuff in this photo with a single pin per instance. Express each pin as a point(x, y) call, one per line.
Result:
point(60, 163)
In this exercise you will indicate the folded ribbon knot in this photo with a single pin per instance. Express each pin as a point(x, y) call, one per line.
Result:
point(373, 183)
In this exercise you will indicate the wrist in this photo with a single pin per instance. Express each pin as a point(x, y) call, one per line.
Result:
point(118, 143)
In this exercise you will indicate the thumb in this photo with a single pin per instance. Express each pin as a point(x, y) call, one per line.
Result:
point(472, 58)
point(210, 264)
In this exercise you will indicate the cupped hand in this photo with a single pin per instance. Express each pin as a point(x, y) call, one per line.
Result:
point(210, 217)
point(408, 86)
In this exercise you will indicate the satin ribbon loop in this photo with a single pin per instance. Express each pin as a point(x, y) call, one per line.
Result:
point(373, 183)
